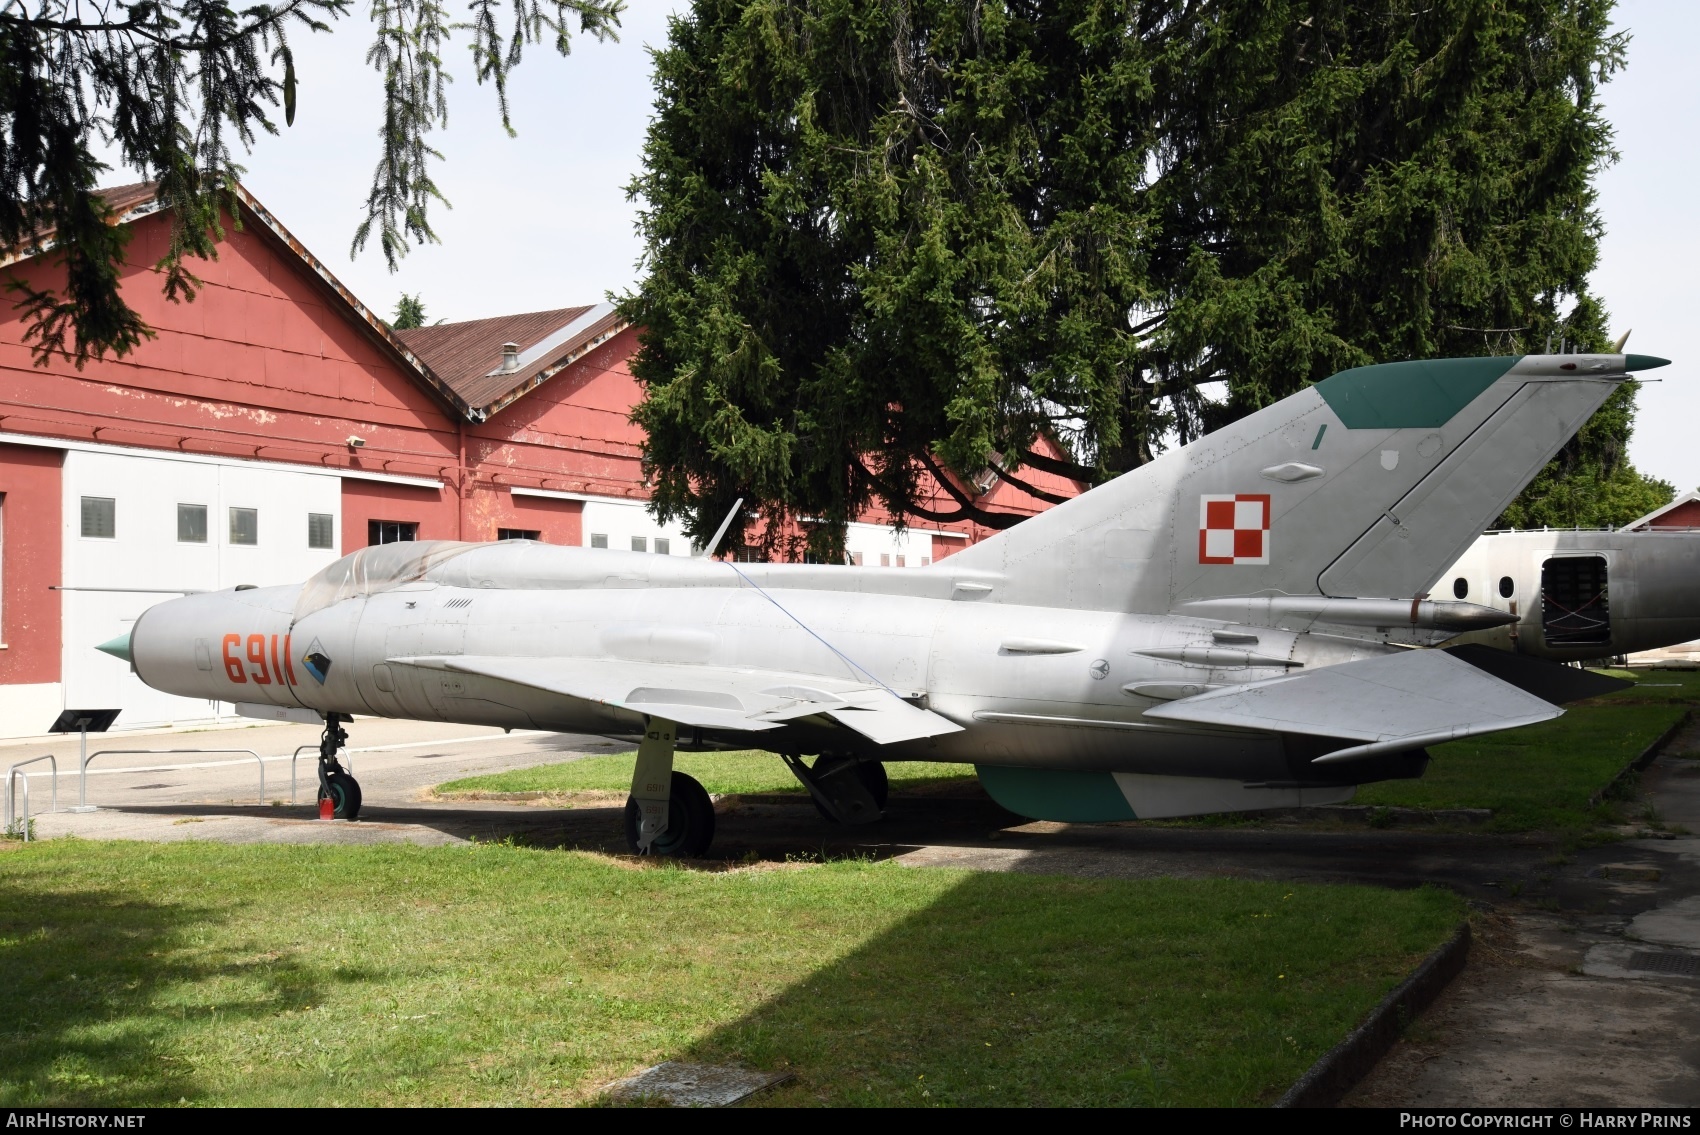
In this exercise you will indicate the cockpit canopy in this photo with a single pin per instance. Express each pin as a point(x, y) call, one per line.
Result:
point(375, 569)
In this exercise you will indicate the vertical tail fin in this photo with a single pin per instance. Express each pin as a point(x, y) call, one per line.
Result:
point(1365, 485)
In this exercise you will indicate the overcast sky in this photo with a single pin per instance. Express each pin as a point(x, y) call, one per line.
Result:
point(542, 220)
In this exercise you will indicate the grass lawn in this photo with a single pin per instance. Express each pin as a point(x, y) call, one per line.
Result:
point(1540, 777)
point(736, 773)
point(147, 974)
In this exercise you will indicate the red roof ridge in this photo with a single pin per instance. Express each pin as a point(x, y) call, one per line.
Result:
point(459, 362)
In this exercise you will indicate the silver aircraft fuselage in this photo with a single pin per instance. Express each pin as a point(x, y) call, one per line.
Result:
point(1036, 686)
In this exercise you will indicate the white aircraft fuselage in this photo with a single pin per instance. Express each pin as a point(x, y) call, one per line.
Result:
point(1582, 595)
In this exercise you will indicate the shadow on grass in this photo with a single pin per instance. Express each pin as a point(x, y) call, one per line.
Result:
point(95, 984)
point(1008, 990)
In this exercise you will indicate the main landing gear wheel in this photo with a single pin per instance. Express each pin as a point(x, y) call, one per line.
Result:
point(690, 821)
point(870, 773)
point(344, 792)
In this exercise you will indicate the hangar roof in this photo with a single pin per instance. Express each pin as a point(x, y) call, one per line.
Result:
point(462, 363)
point(470, 356)
point(1682, 512)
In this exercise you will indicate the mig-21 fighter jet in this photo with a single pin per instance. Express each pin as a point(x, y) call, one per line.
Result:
point(1240, 624)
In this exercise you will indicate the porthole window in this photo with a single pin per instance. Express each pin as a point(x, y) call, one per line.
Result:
point(1506, 587)
point(1460, 587)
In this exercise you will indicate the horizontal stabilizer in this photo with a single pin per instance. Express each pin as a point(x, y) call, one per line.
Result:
point(1548, 681)
point(708, 697)
point(1387, 704)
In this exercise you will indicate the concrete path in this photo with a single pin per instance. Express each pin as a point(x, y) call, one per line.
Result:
point(1596, 1003)
point(156, 794)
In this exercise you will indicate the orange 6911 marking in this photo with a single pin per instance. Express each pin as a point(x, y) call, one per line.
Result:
point(260, 670)
point(257, 656)
point(233, 662)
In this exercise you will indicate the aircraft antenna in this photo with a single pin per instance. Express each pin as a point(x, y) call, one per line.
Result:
point(812, 633)
point(719, 533)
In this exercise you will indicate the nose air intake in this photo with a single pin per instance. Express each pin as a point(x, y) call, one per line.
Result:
point(118, 647)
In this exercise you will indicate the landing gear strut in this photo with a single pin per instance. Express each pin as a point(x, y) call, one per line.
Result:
point(668, 813)
point(335, 784)
point(845, 790)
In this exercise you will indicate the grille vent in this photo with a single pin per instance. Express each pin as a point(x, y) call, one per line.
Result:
point(1686, 964)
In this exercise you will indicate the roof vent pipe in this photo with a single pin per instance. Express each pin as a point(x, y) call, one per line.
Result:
point(510, 356)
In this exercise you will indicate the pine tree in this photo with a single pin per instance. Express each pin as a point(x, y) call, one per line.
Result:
point(409, 313)
point(886, 237)
point(172, 85)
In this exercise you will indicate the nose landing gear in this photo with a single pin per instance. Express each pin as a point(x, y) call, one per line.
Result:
point(335, 784)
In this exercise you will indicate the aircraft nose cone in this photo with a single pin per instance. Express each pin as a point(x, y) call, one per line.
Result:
point(118, 647)
point(1644, 362)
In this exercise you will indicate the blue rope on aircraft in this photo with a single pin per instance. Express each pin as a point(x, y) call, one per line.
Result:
point(845, 658)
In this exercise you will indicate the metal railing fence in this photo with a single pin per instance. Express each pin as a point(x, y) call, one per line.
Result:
point(13, 777)
point(83, 775)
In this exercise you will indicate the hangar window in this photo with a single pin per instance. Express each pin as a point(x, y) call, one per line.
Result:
point(391, 531)
point(245, 526)
point(519, 534)
point(1506, 586)
point(640, 543)
point(100, 518)
point(321, 530)
point(1575, 609)
point(663, 546)
point(599, 539)
point(1460, 588)
point(191, 524)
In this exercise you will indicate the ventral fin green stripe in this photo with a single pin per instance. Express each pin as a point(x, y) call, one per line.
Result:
point(1063, 795)
point(1423, 392)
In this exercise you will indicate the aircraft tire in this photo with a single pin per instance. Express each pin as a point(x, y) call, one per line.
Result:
point(871, 773)
point(690, 821)
point(345, 795)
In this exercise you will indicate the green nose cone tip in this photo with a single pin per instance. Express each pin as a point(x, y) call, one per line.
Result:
point(118, 647)
point(1644, 362)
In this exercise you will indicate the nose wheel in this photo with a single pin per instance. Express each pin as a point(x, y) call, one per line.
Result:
point(335, 783)
point(343, 791)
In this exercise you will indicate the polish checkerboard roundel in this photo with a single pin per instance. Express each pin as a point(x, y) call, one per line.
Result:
point(1233, 528)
